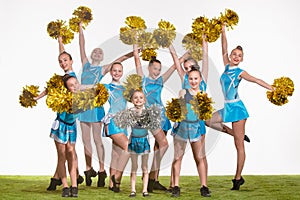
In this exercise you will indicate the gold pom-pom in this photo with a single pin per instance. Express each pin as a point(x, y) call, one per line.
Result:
point(101, 95)
point(176, 109)
point(148, 53)
point(127, 35)
point(28, 93)
point(165, 34)
point(59, 99)
point(146, 40)
point(58, 28)
point(202, 105)
point(283, 87)
point(193, 44)
point(230, 18)
point(74, 24)
point(213, 30)
point(84, 14)
point(55, 82)
point(199, 25)
point(133, 83)
point(135, 22)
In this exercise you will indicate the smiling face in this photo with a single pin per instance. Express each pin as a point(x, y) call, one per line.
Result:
point(116, 72)
point(65, 62)
point(154, 70)
point(236, 57)
point(72, 84)
point(194, 79)
point(138, 99)
point(97, 55)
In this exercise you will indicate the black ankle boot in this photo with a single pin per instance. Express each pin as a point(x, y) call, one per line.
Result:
point(53, 183)
point(237, 183)
point(88, 175)
point(101, 178)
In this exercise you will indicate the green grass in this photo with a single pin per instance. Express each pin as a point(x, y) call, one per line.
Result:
point(255, 187)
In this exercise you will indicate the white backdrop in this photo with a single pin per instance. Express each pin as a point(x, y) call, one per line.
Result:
point(267, 30)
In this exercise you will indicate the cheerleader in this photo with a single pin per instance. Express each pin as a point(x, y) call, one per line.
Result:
point(234, 110)
point(140, 119)
point(193, 130)
point(152, 87)
point(117, 103)
point(66, 64)
point(92, 73)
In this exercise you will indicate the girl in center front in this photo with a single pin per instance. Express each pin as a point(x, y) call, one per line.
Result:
point(140, 119)
point(193, 130)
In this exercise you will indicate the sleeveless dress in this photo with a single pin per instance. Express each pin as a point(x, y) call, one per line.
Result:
point(117, 103)
point(64, 127)
point(91, 75)
point(152, 89)
point(191, 128)
point(186, 85)
point(234, 109)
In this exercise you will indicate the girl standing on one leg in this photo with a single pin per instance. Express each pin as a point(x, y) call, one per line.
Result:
point(234, 110)
point(118, 135)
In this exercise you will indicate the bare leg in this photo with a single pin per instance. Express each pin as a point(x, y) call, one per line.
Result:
point(61, 152)
point(156, 161)
point(97, 129)
point(179, 150)
point(86, 138)
point(72, 159)
point(161, 139)
point(145, 171)
point(239, 133)
point(198, 149)
point(114, 160)
point(134, 166)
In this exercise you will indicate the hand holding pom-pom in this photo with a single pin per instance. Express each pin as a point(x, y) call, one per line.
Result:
point(58, 28)
point(202, 105)
point(27, 96)
point(283, 87)
point(176, 109)
point(165, 34)
point(230, 18)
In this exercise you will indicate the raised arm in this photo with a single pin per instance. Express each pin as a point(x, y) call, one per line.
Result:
point(179, 69)
point(61, 46)
point(253, 79)
point(83, 56)
point(204, 59)
point(138, 65)
point(106, 68)
point(224, 46)
point(176, 64)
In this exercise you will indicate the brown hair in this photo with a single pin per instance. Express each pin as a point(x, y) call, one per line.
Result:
point(64, 52)
point(115, 63)
point(153, 59)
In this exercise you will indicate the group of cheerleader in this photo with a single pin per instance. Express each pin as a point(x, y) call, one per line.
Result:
point(148, 115)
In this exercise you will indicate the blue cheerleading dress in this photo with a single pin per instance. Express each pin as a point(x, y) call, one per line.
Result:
point(117, 103)
point(138, 141)
point(186, 85)
point(191, 128)
point(91, 75)
point(152, 89)
point(64, 127)
point(234, 109)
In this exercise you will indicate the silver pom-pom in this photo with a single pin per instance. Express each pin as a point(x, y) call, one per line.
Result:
point(150, 118)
